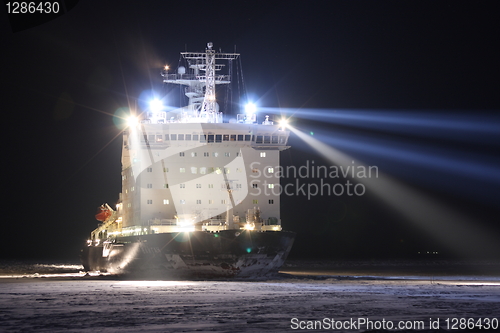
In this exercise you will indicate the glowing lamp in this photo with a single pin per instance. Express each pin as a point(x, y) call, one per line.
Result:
point(283, 122)
point(249, 226)
point(250, 108)
point(131, 121)
point(155, 105)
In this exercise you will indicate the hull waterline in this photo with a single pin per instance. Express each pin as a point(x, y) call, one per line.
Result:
point(198, 254)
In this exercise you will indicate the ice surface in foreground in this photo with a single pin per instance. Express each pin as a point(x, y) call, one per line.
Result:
point(48, 305)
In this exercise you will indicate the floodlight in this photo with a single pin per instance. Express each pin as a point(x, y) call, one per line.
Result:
point(131, 121)
point(283, 122)
point(155, 105)
point(250, 108)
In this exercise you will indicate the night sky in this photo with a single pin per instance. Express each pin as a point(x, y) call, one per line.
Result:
point(412, 87)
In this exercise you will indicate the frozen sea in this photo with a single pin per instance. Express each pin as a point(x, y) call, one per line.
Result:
point(358, 296)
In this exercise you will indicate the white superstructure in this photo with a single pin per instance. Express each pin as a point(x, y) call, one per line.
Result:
point(186, 170)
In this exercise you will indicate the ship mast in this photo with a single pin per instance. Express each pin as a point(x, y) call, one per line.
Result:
point(206, 111)
point(209, 102)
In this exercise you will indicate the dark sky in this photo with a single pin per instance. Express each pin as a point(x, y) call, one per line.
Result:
point(415, 62)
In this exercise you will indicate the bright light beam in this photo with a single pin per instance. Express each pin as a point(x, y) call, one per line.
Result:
point(460, 158)
point(456, 232)
point(476, 126)
point(457, 172)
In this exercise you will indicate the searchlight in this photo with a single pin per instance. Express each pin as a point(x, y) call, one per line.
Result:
point(250, 108)
point(131, 121)
point(250, 116)
point(155, 105)
point(283, 123)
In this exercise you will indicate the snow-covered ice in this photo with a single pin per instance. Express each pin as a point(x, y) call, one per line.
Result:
point(87, 304)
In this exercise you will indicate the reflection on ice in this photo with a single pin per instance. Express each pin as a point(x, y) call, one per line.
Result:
point(58, 275)
point(60, 266)
point(155, 283)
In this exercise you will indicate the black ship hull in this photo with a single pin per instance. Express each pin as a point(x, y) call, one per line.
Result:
point(198, 254)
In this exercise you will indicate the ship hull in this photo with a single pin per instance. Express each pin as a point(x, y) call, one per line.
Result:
point(198, 254)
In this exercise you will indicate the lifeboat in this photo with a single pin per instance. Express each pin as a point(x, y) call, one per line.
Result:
point(103, 212)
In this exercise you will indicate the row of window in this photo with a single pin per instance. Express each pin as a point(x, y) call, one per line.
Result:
point(208, 170)
point(214, 138)
point(207, 154)
point(223, 185)
point(204, 170)
point(210, 202)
